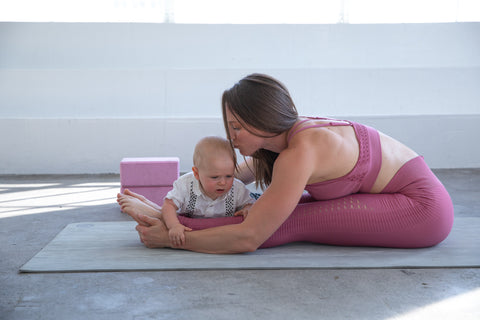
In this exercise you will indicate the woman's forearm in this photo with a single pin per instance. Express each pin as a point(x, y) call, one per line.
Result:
point(224, 239)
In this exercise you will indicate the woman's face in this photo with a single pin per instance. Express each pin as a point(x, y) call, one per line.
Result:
point(243, 140)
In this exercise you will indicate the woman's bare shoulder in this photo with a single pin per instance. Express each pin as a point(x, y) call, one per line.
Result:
point(320, 150)
point(295, 165)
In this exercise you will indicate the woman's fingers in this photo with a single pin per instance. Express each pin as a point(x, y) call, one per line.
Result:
point(147, 220)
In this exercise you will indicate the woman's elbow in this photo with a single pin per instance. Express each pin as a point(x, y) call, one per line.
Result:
point(250, 246)
point(250, 242)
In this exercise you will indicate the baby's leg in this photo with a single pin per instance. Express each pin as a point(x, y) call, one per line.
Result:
point(134, 206)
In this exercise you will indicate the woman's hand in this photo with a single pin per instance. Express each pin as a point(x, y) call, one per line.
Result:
point(152, 231)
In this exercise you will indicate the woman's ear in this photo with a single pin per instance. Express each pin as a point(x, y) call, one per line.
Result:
point(195, 172)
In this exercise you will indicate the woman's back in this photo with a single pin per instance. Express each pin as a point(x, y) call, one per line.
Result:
point(347, 153)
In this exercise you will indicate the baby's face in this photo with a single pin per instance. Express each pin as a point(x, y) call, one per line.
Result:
point(216, 176)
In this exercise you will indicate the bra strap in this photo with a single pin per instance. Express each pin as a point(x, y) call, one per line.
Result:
point(293, 131)
point(320, 125)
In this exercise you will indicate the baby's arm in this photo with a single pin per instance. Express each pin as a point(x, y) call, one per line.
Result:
point(244, 211)
point(175, 228)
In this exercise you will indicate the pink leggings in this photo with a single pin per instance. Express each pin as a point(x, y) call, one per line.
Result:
point(413, 211)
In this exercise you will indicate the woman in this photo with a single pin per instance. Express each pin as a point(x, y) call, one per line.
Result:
point(364, 188)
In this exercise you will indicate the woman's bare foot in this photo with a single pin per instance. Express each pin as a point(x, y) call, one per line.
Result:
point(142, 198)
point(134, 206)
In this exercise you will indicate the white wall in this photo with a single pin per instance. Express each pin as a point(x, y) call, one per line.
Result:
point(78, 97)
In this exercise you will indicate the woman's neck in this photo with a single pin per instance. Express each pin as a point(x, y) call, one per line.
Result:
point(276, 144)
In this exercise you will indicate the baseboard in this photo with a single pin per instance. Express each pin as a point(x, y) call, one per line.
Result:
point(96, 146)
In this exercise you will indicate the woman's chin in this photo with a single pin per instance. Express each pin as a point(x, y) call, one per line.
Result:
point(245, 154)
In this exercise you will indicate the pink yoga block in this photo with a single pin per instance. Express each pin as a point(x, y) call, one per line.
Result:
point(150, 177)
point(149, 171)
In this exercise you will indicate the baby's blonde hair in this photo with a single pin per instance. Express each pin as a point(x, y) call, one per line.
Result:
point(211, 146)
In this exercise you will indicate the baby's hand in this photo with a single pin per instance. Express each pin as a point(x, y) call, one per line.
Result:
point(244, 211)
point(177, 235)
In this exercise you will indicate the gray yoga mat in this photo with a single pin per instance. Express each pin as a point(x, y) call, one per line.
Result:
point(115, 246)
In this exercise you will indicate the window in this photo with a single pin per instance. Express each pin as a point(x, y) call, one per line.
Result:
point(242, 11)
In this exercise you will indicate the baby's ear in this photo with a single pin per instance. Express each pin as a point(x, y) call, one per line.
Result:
point(195, 172)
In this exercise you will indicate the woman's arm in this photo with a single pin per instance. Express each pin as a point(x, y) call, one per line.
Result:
point(245, 172)
point(154, 234)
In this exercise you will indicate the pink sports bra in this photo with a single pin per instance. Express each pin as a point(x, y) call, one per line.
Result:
point(363, 175)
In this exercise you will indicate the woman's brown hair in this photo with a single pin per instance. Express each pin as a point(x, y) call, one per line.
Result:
point(264, 103)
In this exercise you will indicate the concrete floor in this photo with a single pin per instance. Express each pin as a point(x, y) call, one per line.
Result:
point(34, 209)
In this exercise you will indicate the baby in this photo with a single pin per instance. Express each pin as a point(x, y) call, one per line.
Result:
point(209, 191)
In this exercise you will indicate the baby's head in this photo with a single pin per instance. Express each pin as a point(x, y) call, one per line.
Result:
point(214, 166)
